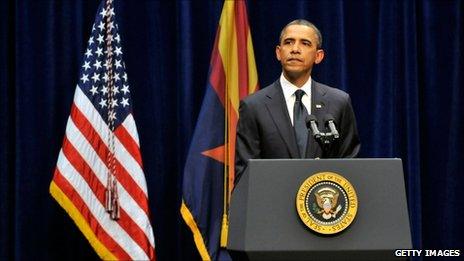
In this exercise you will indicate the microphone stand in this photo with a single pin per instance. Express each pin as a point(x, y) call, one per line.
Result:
point(324, 139)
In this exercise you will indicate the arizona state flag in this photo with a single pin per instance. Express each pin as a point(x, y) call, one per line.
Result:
point(209, 169)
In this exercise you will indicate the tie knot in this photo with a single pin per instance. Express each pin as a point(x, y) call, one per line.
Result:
point(299, 94)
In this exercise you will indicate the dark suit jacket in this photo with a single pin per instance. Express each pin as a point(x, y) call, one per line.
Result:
point(265, 131)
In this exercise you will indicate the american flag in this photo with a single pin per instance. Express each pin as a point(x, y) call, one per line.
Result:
point(99, 177)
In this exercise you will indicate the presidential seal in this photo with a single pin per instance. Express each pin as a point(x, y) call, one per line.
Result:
point(327, 203)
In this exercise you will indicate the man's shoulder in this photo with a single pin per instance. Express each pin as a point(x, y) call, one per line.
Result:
point(263, 94)
point(331, 92)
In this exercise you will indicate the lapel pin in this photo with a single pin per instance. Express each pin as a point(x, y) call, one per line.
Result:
point(318, 106)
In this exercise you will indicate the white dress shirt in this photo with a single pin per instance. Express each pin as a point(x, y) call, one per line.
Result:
point(289, 94)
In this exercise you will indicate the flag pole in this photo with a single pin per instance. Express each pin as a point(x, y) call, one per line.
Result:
point(225, 218)
point(112, 199)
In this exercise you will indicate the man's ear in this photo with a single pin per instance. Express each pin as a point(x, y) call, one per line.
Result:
point(277, 50)
point(319, 56)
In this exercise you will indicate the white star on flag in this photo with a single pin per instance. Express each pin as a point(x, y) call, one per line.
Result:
point(86, 65)
point(85, 78)
point(125, 102)
point(100, 39)
point(97, 65)
point(104, 90)
point(96, 77)
point(118, 51)
point(88, 53)
point(99, 51)
point(102, 103)
point(125, 89)
point(94, 90)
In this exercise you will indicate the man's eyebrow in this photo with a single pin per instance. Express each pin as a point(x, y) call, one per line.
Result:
point(289, 38)
point(293, 39)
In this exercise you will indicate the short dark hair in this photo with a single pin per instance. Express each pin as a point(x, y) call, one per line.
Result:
point(307, 23)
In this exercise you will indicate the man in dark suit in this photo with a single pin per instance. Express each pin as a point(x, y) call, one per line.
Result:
point(272, 121)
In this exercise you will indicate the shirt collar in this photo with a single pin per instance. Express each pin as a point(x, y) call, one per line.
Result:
point(289, 89)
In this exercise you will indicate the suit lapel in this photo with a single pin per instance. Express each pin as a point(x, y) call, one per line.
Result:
point(277, 107)
point(319, 108)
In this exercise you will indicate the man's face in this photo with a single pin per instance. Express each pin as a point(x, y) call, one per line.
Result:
point(297, 51)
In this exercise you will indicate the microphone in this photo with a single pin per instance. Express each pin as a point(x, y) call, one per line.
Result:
point(311, 122)
point(329, 119)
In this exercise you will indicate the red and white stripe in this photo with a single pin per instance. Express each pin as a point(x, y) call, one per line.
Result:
point(81, 173)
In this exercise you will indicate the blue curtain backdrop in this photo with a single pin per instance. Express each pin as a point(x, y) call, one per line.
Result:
point(401, 62)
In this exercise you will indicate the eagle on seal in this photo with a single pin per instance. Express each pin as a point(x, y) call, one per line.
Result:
point(327, 199)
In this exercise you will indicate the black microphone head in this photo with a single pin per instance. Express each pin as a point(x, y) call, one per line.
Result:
point(328, 117)
point(310, 118)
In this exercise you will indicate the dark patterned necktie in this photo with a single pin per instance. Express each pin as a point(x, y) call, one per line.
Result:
point(299, 123)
